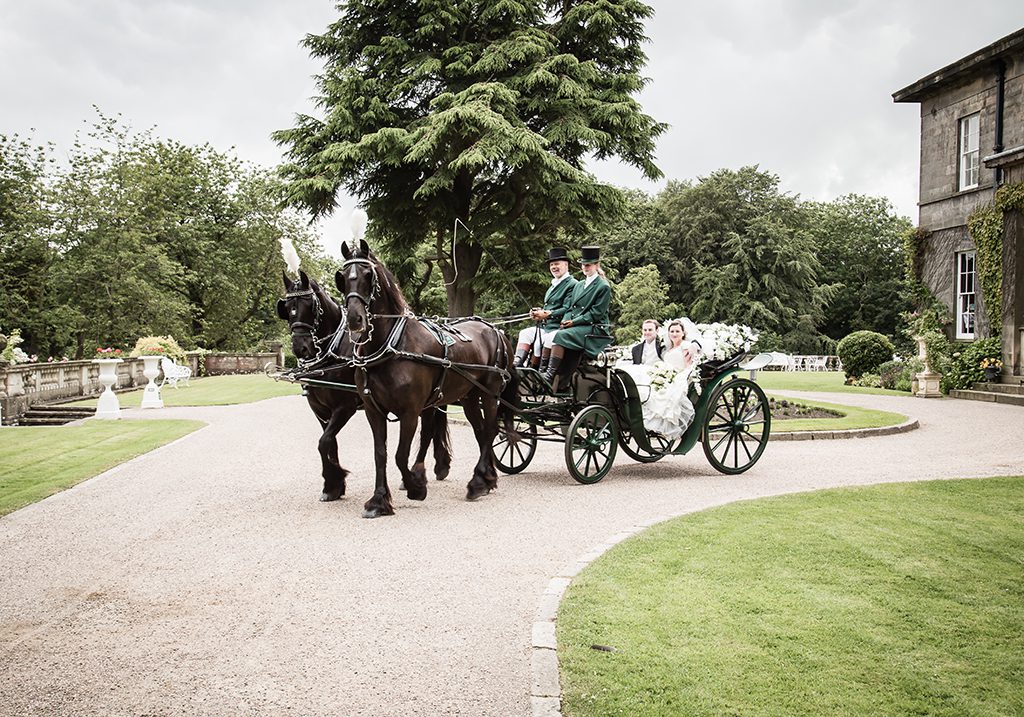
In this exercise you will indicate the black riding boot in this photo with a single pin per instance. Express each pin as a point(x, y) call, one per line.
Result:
point(552, 369)
point(520, 357)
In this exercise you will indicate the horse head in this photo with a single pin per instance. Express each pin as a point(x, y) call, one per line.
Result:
point(358, 281)
point(303, 307)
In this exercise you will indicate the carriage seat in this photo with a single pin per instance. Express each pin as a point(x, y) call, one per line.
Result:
point(174, 372)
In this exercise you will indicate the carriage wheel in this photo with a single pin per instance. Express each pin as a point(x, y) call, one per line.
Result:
point(661, 445)
point(590, 444)
point(511, 457)
point(737, 426)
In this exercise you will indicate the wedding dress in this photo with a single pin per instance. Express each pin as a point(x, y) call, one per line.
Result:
point(667, 409)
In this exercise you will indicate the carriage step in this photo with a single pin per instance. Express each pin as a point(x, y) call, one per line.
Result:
point(991, 396)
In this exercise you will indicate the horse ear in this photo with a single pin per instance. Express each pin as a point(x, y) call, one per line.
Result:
point(364, 247)
point(303, 279)
point(282, 310)
point(287, 281)
point(346, 251)
point(338, 280)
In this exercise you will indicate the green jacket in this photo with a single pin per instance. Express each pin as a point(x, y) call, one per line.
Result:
point(556, 300)
point(588, 306)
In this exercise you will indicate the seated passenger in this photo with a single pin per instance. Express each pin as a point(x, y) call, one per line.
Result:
point(584, 326)
point(665, 386)
point(556, 301)
point(648, 351)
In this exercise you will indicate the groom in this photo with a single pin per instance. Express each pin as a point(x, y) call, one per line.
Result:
point(649, 350)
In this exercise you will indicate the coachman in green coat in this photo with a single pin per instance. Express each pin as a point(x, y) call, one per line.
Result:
point(549, 318)
point(584, 325)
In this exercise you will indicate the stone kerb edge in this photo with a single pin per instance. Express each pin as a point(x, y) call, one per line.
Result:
point(908, 425)
point(546, 690)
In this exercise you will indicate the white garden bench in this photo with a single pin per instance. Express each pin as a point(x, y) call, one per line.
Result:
point(174, 373)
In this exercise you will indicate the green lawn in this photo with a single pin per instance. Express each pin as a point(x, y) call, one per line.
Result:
point(212, 391)
point(854, 418)
point(904, 599)
point(826, 381)
point(37, 461)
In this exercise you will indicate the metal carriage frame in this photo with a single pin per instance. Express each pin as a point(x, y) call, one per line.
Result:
point(602, 412)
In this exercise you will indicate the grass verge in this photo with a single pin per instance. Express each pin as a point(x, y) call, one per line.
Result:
point(853, 417)
point(38, 461)
point(212, 391)
point(903, 599)
point(822, 381)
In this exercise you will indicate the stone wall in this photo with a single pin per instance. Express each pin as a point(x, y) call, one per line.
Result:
point(219, 364)
point(940, 273)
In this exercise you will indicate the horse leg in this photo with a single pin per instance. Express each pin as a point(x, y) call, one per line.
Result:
point(415, 480)
point(380, 503)
point(478, 485)
point(441, 438)
point(334, 474)
point(490, 430)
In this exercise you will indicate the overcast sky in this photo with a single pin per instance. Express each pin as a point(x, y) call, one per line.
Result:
point(802, 88)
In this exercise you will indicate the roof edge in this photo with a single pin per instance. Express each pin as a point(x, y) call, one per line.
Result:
point(917, 91)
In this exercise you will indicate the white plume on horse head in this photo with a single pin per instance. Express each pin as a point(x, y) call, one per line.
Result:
point(291, 257)
point(359, 221)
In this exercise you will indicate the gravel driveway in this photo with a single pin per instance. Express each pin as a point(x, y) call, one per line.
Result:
point(206, 579)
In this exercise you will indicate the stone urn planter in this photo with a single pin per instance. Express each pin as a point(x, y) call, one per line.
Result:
point(927, 380)
point(151, 396)
point(108, 406)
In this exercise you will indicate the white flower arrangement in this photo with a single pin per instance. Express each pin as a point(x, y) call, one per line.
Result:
point(726, 340)
point(661, 375)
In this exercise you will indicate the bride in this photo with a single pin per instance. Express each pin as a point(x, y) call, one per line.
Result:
point(667, 409)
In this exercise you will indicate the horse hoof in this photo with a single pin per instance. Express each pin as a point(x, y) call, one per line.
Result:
point(329, 495)
point(416, 494)
point(373, 513)
point(440, 473)
point(472, 495)
point(402, 486)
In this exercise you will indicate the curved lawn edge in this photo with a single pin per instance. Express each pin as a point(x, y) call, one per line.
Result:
point(546, 694)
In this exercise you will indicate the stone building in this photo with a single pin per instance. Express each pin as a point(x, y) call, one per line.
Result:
point(972, 143)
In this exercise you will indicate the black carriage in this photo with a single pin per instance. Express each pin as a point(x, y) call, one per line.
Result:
point(601, 411)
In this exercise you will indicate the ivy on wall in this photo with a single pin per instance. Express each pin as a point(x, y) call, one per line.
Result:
point(986, 227)
point(914, 244)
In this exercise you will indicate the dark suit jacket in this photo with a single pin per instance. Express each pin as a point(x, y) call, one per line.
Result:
point(638, 350)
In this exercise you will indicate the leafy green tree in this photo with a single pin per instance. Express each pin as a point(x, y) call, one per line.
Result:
point(474, 111)
point(742, 252)
point(641, 295)
point(25, 254)
point(859, 241)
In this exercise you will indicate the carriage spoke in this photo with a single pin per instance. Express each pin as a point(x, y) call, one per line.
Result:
point(746, 400)
point(717, 428)
point(724, 436)
point(739, 439)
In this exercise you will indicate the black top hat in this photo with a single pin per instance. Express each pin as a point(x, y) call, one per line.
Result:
point(590, 254)
point(557, 253)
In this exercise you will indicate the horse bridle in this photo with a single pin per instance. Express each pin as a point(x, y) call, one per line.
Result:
point(301, 328)
point(367, 301)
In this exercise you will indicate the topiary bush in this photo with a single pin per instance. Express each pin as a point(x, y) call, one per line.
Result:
point(863, 352)
point(965, 362)
point(868, 380)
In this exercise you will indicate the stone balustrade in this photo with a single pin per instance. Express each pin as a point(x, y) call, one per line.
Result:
point(32, 384)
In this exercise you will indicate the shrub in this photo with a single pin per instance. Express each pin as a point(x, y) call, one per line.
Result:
point(159, 346)
point(864, 351)
point(868, 380)
point(965, 363)
point(898, 375)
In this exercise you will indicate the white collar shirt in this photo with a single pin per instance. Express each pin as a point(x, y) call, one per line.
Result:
point(650, 353)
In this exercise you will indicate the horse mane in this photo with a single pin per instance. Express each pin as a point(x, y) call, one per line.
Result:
point(389, 288)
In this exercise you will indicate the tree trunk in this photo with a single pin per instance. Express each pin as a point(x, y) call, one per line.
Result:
point(458, 278)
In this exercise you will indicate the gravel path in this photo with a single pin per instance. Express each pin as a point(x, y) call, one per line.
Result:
point(206, 579)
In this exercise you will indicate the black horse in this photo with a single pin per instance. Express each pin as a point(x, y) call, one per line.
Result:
point(314, 320)
point(404, 367)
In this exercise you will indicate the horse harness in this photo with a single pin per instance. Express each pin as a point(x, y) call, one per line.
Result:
point(445, 333)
